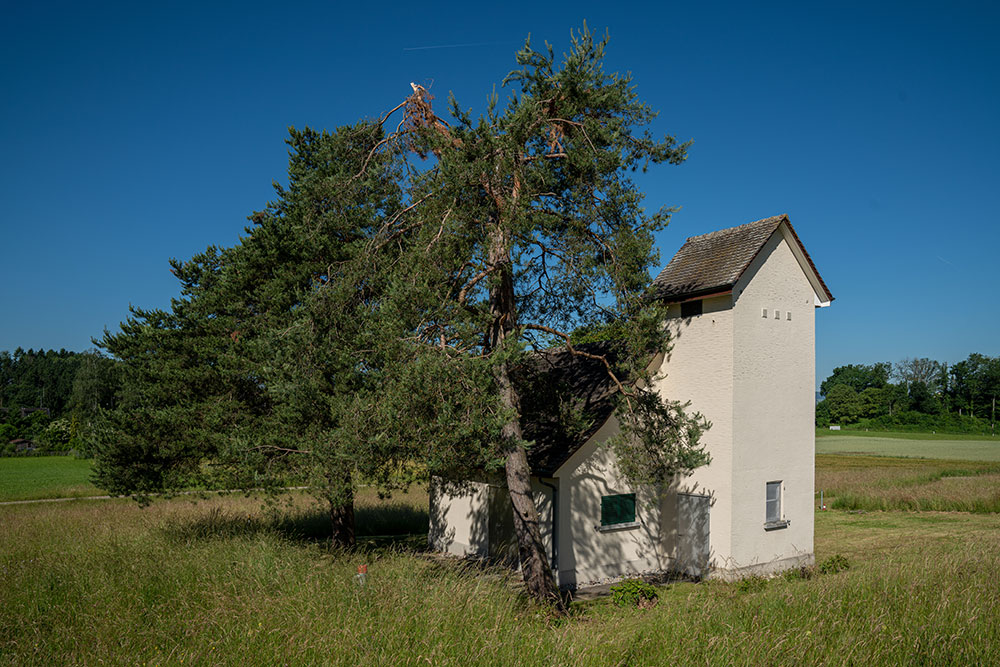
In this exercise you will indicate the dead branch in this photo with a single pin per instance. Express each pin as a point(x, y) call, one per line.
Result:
point(579, 125)
point(420, 115)
point(281, 449)
point(440, 231)
point(391, 111)
point(391, 221)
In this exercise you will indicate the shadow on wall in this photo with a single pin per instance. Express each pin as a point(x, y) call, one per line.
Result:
point(440, 535)
point(591, 553)
point(672, 535)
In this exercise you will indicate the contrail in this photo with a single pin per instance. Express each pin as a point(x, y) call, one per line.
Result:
point(449, 46)
point(945, 261)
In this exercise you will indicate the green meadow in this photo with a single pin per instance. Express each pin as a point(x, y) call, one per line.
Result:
point(32, 477)
point(920, 445)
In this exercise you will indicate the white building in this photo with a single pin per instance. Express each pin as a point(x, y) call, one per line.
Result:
point(742, 303)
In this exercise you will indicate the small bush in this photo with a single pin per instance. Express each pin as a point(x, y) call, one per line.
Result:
point(751, 584)
point(634, 593)
point(798, 573)
point(834, 564)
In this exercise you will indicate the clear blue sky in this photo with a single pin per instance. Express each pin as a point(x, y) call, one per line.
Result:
point(134, 132)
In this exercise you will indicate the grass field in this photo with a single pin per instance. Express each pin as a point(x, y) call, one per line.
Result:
point(901, 435)
point(30, 477)
point(222, 582)
point(883, 444)
point(228, 581)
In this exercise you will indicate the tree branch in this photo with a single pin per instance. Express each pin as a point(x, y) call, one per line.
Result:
point(586, 355)
point(282, 449)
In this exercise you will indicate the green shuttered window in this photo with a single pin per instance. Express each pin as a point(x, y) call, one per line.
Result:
point(617, 509)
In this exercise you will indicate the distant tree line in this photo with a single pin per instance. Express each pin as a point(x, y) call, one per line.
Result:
point(50, 400)
point(914, 394)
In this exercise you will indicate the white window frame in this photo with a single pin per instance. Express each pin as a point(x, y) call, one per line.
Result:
point(773, 510)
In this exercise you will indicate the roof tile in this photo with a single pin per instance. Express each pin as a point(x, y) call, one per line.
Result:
point(715, 261)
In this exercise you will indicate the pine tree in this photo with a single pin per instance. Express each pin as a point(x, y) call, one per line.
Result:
point(244, 381)
point(525, 227)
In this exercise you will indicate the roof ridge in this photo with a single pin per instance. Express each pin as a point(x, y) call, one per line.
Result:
point(776, 219)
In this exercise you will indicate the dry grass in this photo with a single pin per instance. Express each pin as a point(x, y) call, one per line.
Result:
point(884, 483)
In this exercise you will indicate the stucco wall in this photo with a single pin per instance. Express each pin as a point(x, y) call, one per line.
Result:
point(459, 517)
point(589, 555)
point(476, 519)
point(699, 369)
point(774, 384)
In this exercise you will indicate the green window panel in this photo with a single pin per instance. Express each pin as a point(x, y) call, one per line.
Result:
point(617, 509)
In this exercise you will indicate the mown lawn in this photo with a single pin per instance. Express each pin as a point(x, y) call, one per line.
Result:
point(224, 582)
point(903, 435)
point(909, 444)
point(31, 477)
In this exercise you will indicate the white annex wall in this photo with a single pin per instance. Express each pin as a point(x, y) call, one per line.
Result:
point(459, 518)
point(476, 518)
point(586, 554)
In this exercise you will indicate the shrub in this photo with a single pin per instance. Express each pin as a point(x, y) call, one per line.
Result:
point(751, 584)
point(797, 573)
point(918, 422)
point(634, 593)
point(834, 564)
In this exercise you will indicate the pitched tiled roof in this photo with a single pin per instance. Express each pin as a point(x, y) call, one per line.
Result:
point(565, 398)
point(714, 262)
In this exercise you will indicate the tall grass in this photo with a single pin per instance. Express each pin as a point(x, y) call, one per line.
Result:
point(883, 483)
point(222, 582)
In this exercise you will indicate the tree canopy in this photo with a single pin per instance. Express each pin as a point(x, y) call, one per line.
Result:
point(927, 394)
point(372, 324)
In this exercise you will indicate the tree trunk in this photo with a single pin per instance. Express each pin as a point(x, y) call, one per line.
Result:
point(535, 567)
point(342, 516)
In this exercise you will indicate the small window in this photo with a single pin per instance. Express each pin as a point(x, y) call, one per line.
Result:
point(763, 312)
point(777, 314)
point(788, 316)
point(618, 509)
point(691, 308)
point(772, 507)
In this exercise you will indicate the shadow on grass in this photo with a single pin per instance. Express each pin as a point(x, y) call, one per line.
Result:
point(393, 525)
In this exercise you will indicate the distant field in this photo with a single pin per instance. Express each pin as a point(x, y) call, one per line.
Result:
point(913, 445)
point(904, 435)
point(31, 477)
